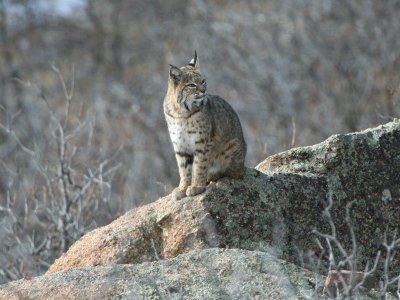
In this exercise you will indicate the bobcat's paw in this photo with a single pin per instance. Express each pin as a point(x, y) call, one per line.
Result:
point(195, 190)
point(178, 193)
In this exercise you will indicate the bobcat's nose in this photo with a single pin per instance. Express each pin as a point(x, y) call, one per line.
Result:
point(202, 88)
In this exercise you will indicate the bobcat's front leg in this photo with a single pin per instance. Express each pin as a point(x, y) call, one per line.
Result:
point(199, 176)
point(185, 162)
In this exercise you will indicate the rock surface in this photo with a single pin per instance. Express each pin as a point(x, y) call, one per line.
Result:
point(279, 207)
point(205, 274)
point(251, 214)
point(274, 209)
point(363, 167)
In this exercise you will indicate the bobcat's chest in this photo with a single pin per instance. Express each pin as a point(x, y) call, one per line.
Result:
point(186, 134)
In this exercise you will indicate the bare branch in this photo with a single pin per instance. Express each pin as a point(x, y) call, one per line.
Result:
point(14, 136)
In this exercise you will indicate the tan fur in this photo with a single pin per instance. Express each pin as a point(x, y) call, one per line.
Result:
point(205, 132)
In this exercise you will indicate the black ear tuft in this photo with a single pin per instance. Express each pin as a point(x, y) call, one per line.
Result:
point(193, 62)
point(175, 74)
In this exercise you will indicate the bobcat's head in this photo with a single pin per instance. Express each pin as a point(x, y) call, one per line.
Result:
point(188, 86)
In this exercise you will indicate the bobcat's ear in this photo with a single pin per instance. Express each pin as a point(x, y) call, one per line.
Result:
point(175, 74)
point(194, 62)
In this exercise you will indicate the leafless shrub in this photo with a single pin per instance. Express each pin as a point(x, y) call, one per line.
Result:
point(387, 281)
point(345, 279)
point(59, 192)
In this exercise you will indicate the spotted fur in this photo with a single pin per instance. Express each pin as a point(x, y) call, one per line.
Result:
point(205, 131)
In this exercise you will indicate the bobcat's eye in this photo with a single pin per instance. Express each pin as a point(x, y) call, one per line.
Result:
point(191, 85)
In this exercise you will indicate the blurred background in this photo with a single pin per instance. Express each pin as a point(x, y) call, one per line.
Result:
point(82, 132)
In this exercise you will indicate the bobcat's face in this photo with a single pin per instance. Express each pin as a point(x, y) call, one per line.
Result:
point(188, 85)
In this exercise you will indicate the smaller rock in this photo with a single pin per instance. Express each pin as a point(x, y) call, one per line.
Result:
point(205, 274)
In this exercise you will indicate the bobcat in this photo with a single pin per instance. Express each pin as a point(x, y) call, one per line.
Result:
point(204, 129)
